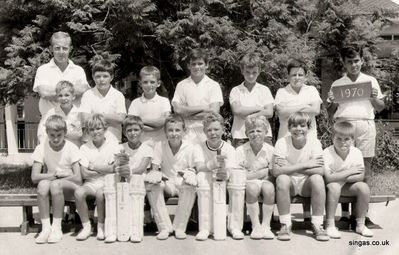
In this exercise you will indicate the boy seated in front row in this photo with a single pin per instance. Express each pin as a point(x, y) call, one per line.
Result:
point(131, 163)
point(255, 157)
point(219, 158)
point(298, 168)
point(65, 95)
point(97, 161)
point(344, 174)
point(62, 176)
point(150, 107)
point(175, 159)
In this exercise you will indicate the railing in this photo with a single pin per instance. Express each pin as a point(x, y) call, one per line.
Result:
point(27, 139)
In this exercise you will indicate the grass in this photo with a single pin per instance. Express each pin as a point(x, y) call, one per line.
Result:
point(17, 180)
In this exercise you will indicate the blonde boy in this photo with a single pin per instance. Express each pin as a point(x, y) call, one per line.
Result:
point(344, 174)
point(197, 96)
point(150, 107)
point(175, 159)
point(224, 166)
point(255, 157)
point(298, 167)
point(65, 95)
point(131, 163)
point(56, 170)
point(104, 99)
point(249, 98)
point(97, 161)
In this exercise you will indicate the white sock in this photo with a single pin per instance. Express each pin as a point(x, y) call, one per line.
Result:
point(253, 211)
point(267, 212)
point(46, 224)
point(360, 222)
point(317, 220)
point(286, 219)
point(56, 223)
point(86, 225)
point(100, 226)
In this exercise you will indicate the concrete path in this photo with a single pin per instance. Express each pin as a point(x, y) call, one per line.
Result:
point(301, 243)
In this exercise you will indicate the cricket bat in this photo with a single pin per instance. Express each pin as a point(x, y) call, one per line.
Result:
point(219, 208)
point(123, 210)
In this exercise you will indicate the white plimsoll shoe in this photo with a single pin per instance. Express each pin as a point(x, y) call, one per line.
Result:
point(163, 235)
point(267, 233)
point(55, 236)
point(333, 232)
point(180, 234)
point(257, 233)
point(365, 231)
point(43, 236)
point(237, 234)
point(202, 235)
point(83, 234)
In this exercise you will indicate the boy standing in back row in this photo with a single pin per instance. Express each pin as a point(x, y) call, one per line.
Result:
point(359, 113)
point(197, 95)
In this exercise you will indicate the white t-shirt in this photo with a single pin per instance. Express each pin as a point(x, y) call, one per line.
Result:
point(137, 155)
point(50, 74)
point(287, 97)
point(286, 150)
point(188, 93)
point(260, 95)
point(57, 160)
point(204, 154)
point(112, 103)
point(170, 164)
point(105, 155)
point(153, 108)
point(359, 109)
point(250, 162)
point(333, 163)
point(73, 121)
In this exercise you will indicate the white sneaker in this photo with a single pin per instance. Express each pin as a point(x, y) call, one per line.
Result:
point(43, 236)
point(100, 234)
point(256, 233)
point(202, 235)
point(237, 234)
point(365, 231)
point(135, 238)
point(267, 233)
point(83, 234)
point(55, 236)
point(333, 232)
point(180, 234)
point(163, 235)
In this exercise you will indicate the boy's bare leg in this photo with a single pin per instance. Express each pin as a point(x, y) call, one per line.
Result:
point(81, 194)
point(362, 191)
point(333, 194)
point(100, 203)
point(283, 198)
point(43, 200)
point(57, 188)
point(367, 177)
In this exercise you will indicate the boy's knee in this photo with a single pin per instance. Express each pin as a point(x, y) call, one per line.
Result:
point(43, 188)
point(252, 190)
point(317, 181)
point(334, 188)
point(363, 189)
point(100, 196)
point(268, 189)
point(283, 182)
point(80, 194)
point(56, 187)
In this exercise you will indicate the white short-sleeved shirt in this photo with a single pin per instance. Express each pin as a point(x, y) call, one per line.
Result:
point(50, 74)
point(286, 150)
point(57, 160)
point(260, 95)
point(333, 163)
point(73, 120)
point(188, 93)
point(204, 154)
point(250, 162)
point(112, 103)
point(104, 155)
point(153, 108)
point(288, 97)
point(359, 109)
point(137, 155)
point(170, 164)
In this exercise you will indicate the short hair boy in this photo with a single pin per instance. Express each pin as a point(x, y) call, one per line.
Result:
point(297, 97)
point(65, 94)
point(97, 161)
point(344, 174)
point(150, 107)
point(175, 158)
point(104, 98)
point(360, 112)
point(197, 95)
point(255, 157)
point(61, 159)
point(298, 168)
point(218, 157)
point(249, 98)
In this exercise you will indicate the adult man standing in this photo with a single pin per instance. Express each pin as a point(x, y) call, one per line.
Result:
point(59, 68)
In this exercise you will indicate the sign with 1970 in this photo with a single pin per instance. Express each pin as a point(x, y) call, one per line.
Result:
point(352, 91)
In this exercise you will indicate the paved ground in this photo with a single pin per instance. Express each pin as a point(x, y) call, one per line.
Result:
point(302, 242)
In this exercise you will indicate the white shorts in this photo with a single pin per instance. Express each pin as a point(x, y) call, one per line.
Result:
point(257, 182)
point(94, 185)
point(297, 184)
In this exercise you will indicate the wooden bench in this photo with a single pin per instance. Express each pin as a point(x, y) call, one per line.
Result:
point(27, 201)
